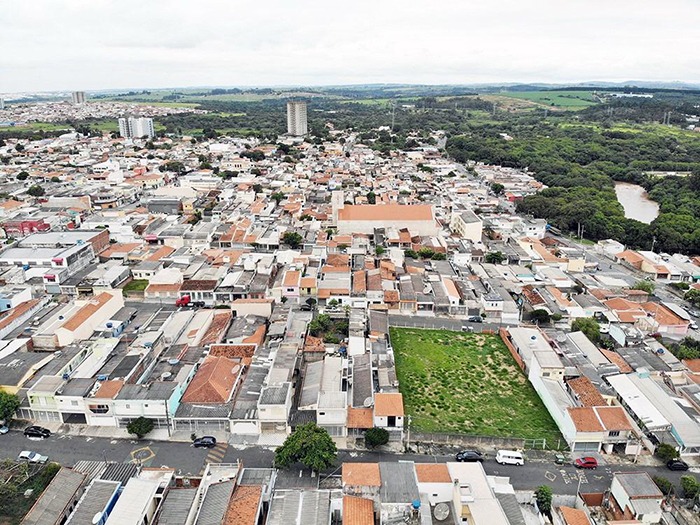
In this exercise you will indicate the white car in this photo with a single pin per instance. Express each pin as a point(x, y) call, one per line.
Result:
point(32, 457)
point(694, 326)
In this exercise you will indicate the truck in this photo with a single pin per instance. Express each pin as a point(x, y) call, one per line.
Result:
point(186, 301)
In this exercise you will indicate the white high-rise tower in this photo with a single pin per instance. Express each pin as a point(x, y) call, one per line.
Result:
point(136, 128)
point(77, 97)
point(296, 118)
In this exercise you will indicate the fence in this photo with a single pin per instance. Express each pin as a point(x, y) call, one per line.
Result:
point(465, 440)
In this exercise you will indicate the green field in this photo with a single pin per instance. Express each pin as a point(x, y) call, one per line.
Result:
point(467, 383)
point(559, 99)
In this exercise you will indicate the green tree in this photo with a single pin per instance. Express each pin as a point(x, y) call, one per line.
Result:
point(543, 496)
point(540, 316)
point(379, 250)
point(278, 196)
point(371, 197)
point(309, 445)
point(292, 239)
point(693, 297)
point(495, 257)
point(426, 253)
point(666, 452)
point(690, 486)
point(497, 188)
point(439, 256)
point(411, 254)
point(664, 484)
point(645, 286)
point(35, 191)
point(9, 403)
point(589, 326)
point(23, 175)
point(376, 437)
point(19, 148)
point(257, 188)
point(55, 179)
point(140, 426)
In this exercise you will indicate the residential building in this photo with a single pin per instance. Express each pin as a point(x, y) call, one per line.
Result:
point(296, 118)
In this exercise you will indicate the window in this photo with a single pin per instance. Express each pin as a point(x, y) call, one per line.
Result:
point(128, 405)
point(74, 403)
point(614, 433)
point(545, 374)
point(391, 421)
point(99, 409)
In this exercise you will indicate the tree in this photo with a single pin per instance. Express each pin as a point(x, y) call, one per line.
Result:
point(495, 257)
point(497, 188)
point(19, 148)
point(23, 175)
point(439, 256)
point(36, 191)
point(693, 297)
point(540, 316)
point(543, 496)
point(666, 452)
point(292, 239)
point(140, 426)
point(371, 197)
point(411, 254)
point(665, 486)
point(310, 445)
point(589, 326)
point(55, 179)
point(645, 286)
point(9, 403)
point(379, 250)
point(376, 437)
point(690, 486)
point(277, 196)
point(257, 188)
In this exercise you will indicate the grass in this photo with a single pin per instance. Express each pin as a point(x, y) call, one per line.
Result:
point(467, 383)
point(15, 479)
point(137, 285)
point(559, 99)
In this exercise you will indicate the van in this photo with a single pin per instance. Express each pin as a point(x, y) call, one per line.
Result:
point(509, 457)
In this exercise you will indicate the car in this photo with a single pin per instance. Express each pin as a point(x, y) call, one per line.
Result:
point(204, 442)
point(694, 313)
point(305, 308)
point(467, 329)
point(676, 464)
point(694, 326)
point(474, 319)
point(35, 432)
point(560, 459)
point(4, 429)
point(32, 457)
point(586, 462)
point(469, 455)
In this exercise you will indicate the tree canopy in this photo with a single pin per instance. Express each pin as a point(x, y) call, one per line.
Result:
point(9, 403)
point(588, 326)
point(309, 445)
point(140, 426)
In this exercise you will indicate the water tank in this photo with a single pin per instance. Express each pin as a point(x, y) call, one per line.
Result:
point(173, 362)
point(109, 325)
point(415, 504)
point(102, 377)
point(25, 267)
point(165, 375)
point(148, 344)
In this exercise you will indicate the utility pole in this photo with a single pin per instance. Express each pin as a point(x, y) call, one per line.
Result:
point(494, 109)
point(653, 242)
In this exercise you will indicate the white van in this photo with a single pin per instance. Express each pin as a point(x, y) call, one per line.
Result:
point(509, 457)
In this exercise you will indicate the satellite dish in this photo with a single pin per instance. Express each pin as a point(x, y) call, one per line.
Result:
point(96, 518)
point(235, 369)
point(368, 402)
point(441, 511)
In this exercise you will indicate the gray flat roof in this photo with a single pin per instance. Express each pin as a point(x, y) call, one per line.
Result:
point(95, 500)
point(49, 508)
point(274, 395)
point(300, 507)
point(638, 484)
point(176, 507)
point(398, 482)
point(215, 503)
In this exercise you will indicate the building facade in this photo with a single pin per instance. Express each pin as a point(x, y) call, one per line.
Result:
point(296, 118)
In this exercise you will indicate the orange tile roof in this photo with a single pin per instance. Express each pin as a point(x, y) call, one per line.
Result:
point(257, 337)
point(327, 292)
point(361, 474)
point(432, 473)
point(586, 392)
point(693, 365)
point(87, 311)
point(359, 282)
point(291, 278)
point(109, 389)
point(386, 212)
point(244, 505)
point(664, 316)
point(338, 259)
point(359, 417)
point(17, 312)
point(388, 404)
point(585, 419)
point(119, 248)
point(213, 382)
point(11, 204)
point(391, 296)
point(217, 329)
point(232, 351)
point(574, 516)
point(358, 511)
point(159, 288)
point(614, 418)
point(617, 359)
point(161, 252)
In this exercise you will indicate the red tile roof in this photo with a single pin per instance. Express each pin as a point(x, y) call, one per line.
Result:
point(358, 511)
point(386, 212)
point(213, 382)
point(388, 404)
point(87, 311)
point(361, 475)
point(244, 505)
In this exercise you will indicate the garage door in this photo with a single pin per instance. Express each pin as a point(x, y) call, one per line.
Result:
point(586, 447)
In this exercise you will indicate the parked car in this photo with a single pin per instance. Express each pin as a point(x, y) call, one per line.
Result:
point(305, 308)
point(35, 432)
point(4, 429)
point(676, 464)
point(694, 313)
point(560, 459)
point(32, 457)
point(586, 462)
point(694, 325)
point(474, 319)
point(467, 329)
point(469, 455)
point(204, 442)
point(510, 457)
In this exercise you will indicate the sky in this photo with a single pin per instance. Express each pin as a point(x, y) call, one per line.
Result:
point(57, 45)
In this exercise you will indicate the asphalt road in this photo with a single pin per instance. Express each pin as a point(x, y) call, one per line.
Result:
point(538, 470)
point(437, 323)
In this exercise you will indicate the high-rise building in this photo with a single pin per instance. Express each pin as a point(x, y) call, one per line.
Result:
point(2, 103)
point(136, 127)
point(77, 97)
point(296, 118)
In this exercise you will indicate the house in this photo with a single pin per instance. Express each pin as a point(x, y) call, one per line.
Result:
point(389, 414)
point(635, 496)
point(58, 500)
point(137, 503)
point(419, 219)
point(592, 429)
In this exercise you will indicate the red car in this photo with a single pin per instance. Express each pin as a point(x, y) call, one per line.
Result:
point(586, 462)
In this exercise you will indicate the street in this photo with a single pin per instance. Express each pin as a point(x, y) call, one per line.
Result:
point(539, 469)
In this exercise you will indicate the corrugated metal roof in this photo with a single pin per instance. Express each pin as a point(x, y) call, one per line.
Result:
point(215, 503)
point(176, 506)
point(300, 507)
point(49, 508)
point(398, 482)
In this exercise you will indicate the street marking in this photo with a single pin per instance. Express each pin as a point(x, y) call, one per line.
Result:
point(565, 476)
point(88, 439)
point(550, 475)
point(141, 455)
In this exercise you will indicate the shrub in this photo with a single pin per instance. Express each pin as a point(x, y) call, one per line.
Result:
point(665, 486)
point(376, 437)
point(690, 486)
point(140, 426)
point(543, 496)
point(666, 452)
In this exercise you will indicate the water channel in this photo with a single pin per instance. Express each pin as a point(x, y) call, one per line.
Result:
point(636, 202)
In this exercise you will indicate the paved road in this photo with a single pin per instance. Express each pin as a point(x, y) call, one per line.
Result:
point(439, 323)
point(68, 450)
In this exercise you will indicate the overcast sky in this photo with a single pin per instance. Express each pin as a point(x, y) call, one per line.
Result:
point(109, 44)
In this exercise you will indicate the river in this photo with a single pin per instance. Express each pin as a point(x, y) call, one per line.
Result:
point(636, 202)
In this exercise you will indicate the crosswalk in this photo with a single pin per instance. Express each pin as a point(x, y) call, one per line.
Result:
point(215, 455)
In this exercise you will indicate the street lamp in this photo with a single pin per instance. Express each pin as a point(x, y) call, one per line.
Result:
point(408, 433)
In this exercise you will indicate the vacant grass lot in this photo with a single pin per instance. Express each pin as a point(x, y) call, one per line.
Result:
point(560, 99)
point(467, 383)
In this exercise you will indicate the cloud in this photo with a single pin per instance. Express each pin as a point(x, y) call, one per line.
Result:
point(100, 44)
